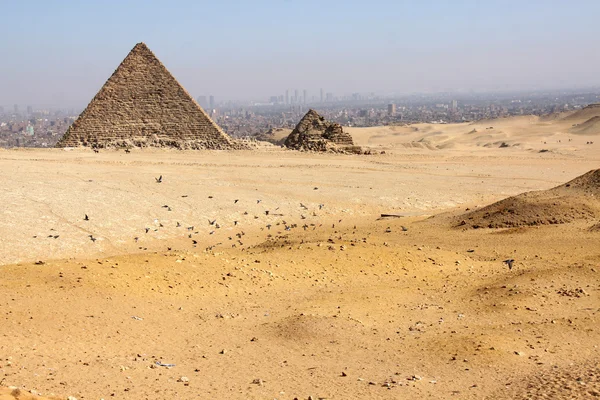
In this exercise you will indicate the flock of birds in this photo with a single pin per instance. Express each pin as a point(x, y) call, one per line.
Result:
point(235, 237)
point(214, 225)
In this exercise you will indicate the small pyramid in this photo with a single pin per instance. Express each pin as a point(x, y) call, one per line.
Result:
point(315, 133)
point(142, 104)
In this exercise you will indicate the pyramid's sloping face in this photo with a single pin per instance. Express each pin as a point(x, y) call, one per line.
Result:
point(143, 103)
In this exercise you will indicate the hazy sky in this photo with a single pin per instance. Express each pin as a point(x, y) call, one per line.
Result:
point(59, 53)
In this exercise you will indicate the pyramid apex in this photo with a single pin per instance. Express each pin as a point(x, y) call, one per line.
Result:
point(141, 46)
point(311, 113)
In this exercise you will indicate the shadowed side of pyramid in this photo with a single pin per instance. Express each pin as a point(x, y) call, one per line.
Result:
point(143, 105)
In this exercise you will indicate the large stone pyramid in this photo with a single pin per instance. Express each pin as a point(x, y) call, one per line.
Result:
point(315, 133)
point(142, 104)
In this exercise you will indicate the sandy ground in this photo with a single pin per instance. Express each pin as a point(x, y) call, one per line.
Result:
point(318, 297)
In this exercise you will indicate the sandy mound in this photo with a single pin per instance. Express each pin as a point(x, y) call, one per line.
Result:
point(574, 200)
point(575, 382)
point(19, 394)
point(309, 328)
point(586, 113)
point(276, 136)
point(589, 127)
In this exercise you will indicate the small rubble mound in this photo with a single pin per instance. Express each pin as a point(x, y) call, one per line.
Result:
point(578, 199)
point(315, 133)
point(595, 227)
point(155, 141)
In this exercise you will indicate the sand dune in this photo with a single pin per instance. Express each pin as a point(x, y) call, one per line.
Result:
point(275, 136)
point(589, 127)
point(577, 199)
point(529, 133)
point(586, 113)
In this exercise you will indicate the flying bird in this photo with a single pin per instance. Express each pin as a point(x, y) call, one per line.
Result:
point(92, 238)
point(159, 179)
point(509, 263)
point(212, 222)
point(235, 201)
point(86, 218)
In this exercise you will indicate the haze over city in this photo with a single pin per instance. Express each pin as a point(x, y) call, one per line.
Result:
point(59, 53)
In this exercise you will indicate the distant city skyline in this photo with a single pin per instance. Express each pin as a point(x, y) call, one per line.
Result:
point(211, 101)
point(257, 50)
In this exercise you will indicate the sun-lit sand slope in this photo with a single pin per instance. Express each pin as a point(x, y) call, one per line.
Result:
point(48, 193)
point(556, 133)
point(270, 274)
point(578, 199)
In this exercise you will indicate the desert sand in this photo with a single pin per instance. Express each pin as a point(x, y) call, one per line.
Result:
point(270, 273)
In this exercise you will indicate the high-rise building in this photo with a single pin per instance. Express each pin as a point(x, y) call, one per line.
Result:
point(304, 97)
point(29, 110)
point(16, 108)
point(391, 109)
point(321, 95)
point(287, 96)
point(296, 96)
point(1, 110)
point(329, 97)
point(454, 105)
point(211, 101)
point(202, 101)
